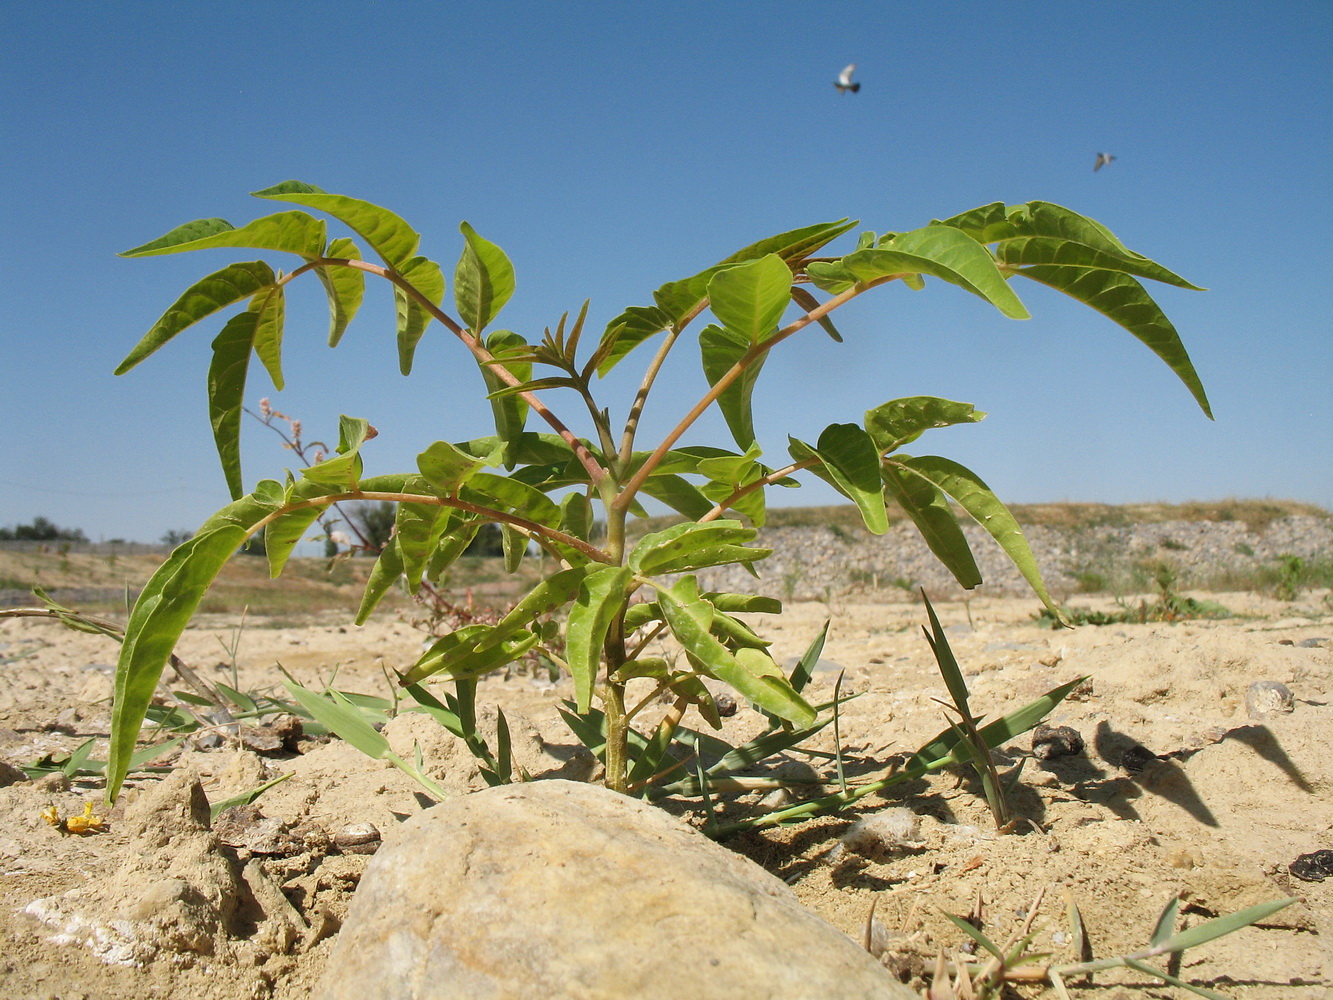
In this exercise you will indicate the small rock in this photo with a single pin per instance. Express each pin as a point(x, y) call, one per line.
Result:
point(246, 828)
point(56, 781)
point(1056, 741)
point(1313, 867)
point(1268, 698)
point(1314, 643)
point(726, 704)
point(357, 838)
point(261, 740)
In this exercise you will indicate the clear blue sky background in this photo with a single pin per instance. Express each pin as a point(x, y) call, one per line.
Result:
point(610, 147)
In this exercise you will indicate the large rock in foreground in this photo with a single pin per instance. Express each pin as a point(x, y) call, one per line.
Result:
point(559, 889)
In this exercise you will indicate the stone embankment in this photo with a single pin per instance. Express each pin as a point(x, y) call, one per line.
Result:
point(824, 562)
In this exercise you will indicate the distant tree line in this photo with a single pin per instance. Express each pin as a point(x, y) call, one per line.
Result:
point(41, 530)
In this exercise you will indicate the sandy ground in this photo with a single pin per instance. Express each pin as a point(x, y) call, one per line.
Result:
point(1227, 801)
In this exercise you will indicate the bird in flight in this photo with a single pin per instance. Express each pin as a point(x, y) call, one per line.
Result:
point(1102, 160)
point(844, 81)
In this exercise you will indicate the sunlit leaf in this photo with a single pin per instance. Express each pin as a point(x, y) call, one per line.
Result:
point(601, 595)
point(205, 297)
point(551, 594)
point(291, 232)
point(386, 572)
point(626, 332)
point(388, 235)
point(455, 655)
point(270, 305)
point(164, 607)
point(747, 671)
point(282, 533)
point(446, 467)
point(483, 281)
point(344, 286)
point(690, 546)
point(722, 349)
point(928, 507)
point(749, 299)
point(849, 463)
point(975, 497)
point(413, 317)
point(226, 391)
point(342, 718)
point(344, 471)
point(942, 252)
point(902, 421)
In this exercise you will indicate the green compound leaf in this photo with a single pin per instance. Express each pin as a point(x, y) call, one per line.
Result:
point(850, 464)
point(902, 421)
point(722, 349)
point(1047, 233)
point(205, 297)
point(282, 533)
point(343, 472)
point(414, 530)
point(387, 234)
point(456, 655)
point(678, 300)
point(928, 507)
point(626, 332)
point(600, 597)
point(749, 671)
point(413, 318)
point(483, 281)
point(387, 571)
point(344, 286)
point(226, 390)
point(941, 252)
point(270, 305)
point(447, 468)
point(690, 546)
point(975, 497)
point(164, 608)
point(1122, 299)
point(290, 232)
point(749, 299)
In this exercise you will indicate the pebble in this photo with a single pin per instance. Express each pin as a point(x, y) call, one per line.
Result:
point(358, 838)
point(1056, 741)
point(1313, 867)
point(1268, 698)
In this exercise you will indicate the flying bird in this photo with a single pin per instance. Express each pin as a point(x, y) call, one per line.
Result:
point(844, 81)
point(1102, 160)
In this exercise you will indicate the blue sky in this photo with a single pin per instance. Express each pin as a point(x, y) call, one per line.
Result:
point(611, 147)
